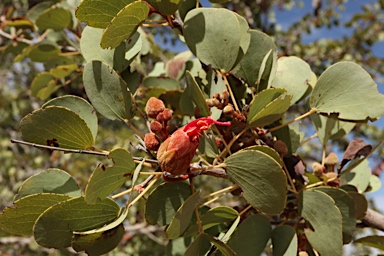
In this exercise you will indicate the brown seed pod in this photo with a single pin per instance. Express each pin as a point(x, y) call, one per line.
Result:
point(154, 106)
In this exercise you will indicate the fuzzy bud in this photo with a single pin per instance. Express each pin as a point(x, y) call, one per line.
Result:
point(228, 110)
point(318, 169)
point(151, 141)
point(154, 106)
point(281, 148)
point(156, 127)
point(167, 114)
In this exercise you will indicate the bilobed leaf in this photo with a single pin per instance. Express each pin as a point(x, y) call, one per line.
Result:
point(166, 7)
point(107, 91)
point(284, 241)
point(348, 91)
point(91, 49)
point(80, 106)
point(51, 180)
point(320, 211)
point(55, 226)
point(99, 13)
point(249, 66)
point(346, 206)
point(373, 241)
point(105, 179)
point(19, 220)
point(293, 74)
point(268, 106)
point(194, 92)
point(251, 236)
point(260, 177)
point(124, 24)
point(99, 243)
point(56, 126)
point(43, 85)
point(164, 201)
point(54, 18)
point(182, 218)
point(358, 177)
point(214, 36)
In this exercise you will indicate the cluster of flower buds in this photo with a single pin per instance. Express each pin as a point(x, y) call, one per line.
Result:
point(156, 109)
point(222, 102)
point(327, 172)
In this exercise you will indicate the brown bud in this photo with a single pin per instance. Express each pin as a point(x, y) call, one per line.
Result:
point(154, 107)
point(280, 147)
point(318, 169)
point(212, 102)
point(331, 160)
point(167, 114)
point(156, 127)
point(151, 141)
point(228, 110)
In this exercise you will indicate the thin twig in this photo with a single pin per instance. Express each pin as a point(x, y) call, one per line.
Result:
point(245, 210)
point(310, 112)
point(230, 91)
point(133, 128)
point(18, 39)
point(224, 190)
point(222, 154)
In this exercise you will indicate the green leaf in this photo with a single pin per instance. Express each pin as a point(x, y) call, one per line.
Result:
point(124, 24)
point(54, 18)
point(198, 247)
point(249, 67)
point(291, 136)
point(346, 206)
point(207, 28)
point(373, 241)
point(320, 211)
point(51, 180)
point(43, 85)
point(349, 91)
point(56, 126)
point(63, 70)
point(193, 91)
point(284, 241)
point(42, 51)
point(361, 204)
point(54, 228)
point(251, 236)
point(99, 243)
point(104, 180)
point(58, 61)
point(80, 106)
point(267, 150)
point(268, 106)
point(37, 9)
point(165, 7)
point(19, 220)
point(90, 50)
point(208, 146)
point(99, 13)
point(164, 201)
point(213, 217)
point(292, 74)
point(168, 83)
point(358, 177)
point(261, 178)
point(330, 128)
point(374, 184)
point(182, 218)
point(223, 248)
point(107, 91)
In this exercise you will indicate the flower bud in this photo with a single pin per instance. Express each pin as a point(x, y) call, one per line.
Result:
point(155, 127)
point(228, 110)
point(167, 114)
point(151, 141)
point(154, 106)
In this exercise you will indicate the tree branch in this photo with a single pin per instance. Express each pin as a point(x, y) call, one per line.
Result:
point(374, 219)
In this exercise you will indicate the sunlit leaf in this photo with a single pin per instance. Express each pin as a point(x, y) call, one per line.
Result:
point(56, 126)
point(267, 150)
point(107, 91)
point(373, 241)
point(51, 180)
point(261, 178)
point(124, 24)
point(374, 184)
point(358, 177)
point(54, 18)
point(284, 241)
point(222, 247)
point(161, 82)
point(105, 179)
point(19, 220)
point(320, 211)
point(54, 228)
point(348, 91)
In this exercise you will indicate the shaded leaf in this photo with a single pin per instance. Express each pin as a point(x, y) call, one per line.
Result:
point(42, 51)
point(292, 74)
point(107, 91)
point(284, 241)
point(19, 220)
point(291, 136)
point(208, 146)
point(251, 236)
point(105, 179)
point(63, 70)
point(358, 176)
point(80, 106)
point(320, 211)
point(267, 107)
point(267, 150)
point(124, 24)
point(373, 241)
point(43, 85)
point(166, 7)
point(164, 201)
point(193, 91)
point(360, 99)
point(161, 82)
point(260, 177)
point(99, 243)
point(223, 248)
point(182, 218)
point(64, 128)
point(54, 227)
point(198, 247)
point(98, 13)
point(361, 204)
point(51, 180)
point(54, 18)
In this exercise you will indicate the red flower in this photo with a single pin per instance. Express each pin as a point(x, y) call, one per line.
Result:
point(176, 152)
